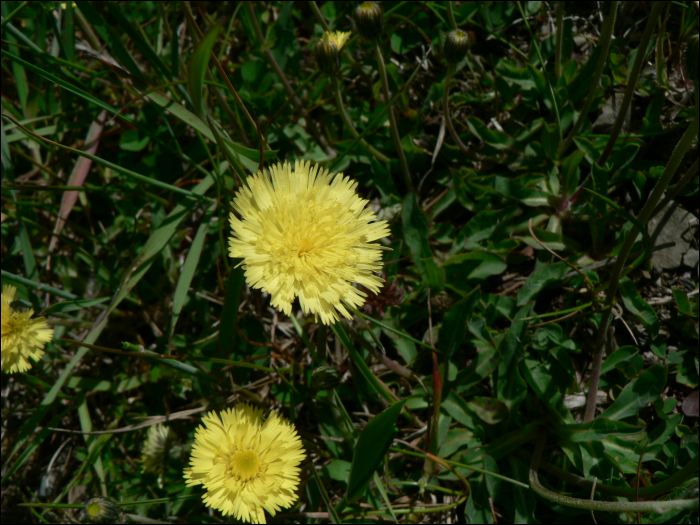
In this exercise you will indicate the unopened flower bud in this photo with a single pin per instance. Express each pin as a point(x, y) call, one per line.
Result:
point(102, 510)
point(325, 377)
point(456, 46)
point(327, 51)
point(692, 58)
point(368, 17)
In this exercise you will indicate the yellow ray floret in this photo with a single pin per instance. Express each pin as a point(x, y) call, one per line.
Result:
point(305, 233)
point(23, 338)
point(339, 38)
point(246, 464)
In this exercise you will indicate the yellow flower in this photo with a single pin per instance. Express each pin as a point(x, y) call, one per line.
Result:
point(246, 464)
point(22, 337)
point(339, 38)
point(306, 233)
point(327, 51)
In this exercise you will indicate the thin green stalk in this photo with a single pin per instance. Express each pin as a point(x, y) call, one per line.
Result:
point(671, 194)
point(356, 358)
point(446, 109)
point(632, 81)
point(604, 42)
point(605, 506)
point(560, 39)
point(392, 120)
point(667, 485)
point(346, 119)
point(451, 16)
point(319, 16)
point(656, 195)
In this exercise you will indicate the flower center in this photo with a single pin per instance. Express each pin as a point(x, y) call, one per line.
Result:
point(245, 464)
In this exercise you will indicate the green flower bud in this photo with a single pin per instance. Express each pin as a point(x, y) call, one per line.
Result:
point(325, 377)
point(456, 46)
point(692, 58)
point(102, 510)
point(368, 17)
point(327, 51)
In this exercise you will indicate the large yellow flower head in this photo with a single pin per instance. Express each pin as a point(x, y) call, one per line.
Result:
point(246, 464)
point(306, 233)
point(22, 337)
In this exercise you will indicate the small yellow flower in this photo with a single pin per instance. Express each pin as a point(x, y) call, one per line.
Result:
point(22, 337)
point(339, 38)
point(327, 51)
point(306, 233)
point(246, 464)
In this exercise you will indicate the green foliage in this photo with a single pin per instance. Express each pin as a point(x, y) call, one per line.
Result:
point(481, 345)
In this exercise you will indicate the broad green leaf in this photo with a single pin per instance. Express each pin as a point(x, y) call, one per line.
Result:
point(473, 266)
point(553, 241)
point(599, 428)
point(683, 303)
point(374, 441)
point(252, 154)
point(540, 278)
point(454, 325)
point(539, 377)
point(481, 226)
point(619, 358)
point(457, 407)
point(489, 409)
point(497, 139)
point(638, 306)
point(485, 362)
point(638, 393)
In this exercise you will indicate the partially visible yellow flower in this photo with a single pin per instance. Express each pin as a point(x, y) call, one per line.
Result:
point(246, 464)
point(327, 51)
point(339, 38)
point(22, 337)
point(306, 233)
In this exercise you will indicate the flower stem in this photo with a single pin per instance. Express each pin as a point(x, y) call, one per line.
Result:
point(446, 109)
point(605, 506)
point(392, 120)
point(676, 157)
point(451, 16)
point(560, 39)
point(346, 119)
